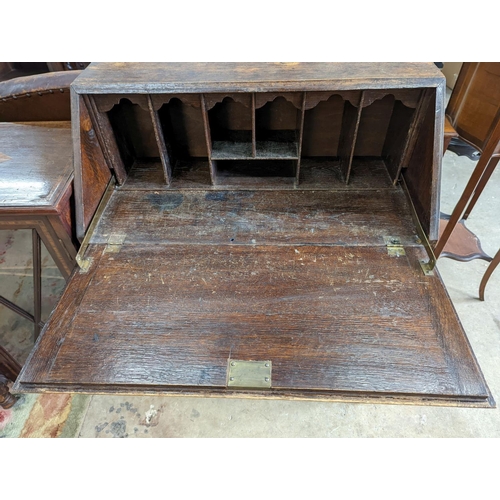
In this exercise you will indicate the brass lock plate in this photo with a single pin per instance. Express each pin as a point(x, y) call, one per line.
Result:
point(249, 374)
point(394, 246)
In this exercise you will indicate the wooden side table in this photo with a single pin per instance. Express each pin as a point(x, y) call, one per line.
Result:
point(474, 112)
point(36, 186)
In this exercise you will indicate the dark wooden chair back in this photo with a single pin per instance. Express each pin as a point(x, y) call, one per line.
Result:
point(43, 97)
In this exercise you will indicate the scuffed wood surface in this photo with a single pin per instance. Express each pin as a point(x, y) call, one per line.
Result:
point(127, 78)
point(262, 217)
point(329, 318)
point(95, 173)
point(317, 174)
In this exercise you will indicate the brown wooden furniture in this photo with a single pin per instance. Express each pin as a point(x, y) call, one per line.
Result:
point(10, 70)
point(258, 230)
point(35, 191)
point(9, 370)
point(474, 111)
point(42, 97)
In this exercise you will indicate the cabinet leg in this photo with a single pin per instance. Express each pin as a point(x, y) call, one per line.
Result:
point(489, 271)
point(7, 400)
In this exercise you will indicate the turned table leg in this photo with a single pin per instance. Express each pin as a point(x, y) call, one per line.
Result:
point(489, 271)
point(7, 400)
point(9, 370)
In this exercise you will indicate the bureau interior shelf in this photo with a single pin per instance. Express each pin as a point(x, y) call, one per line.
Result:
point(263, 139)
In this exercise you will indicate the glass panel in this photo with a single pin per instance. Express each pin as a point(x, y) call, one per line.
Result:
point(52, 284)
point(16, 285)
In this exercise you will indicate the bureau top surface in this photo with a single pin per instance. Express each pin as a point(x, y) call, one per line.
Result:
point(100, 78)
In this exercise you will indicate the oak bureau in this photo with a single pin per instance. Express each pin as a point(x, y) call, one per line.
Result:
point(258, 230)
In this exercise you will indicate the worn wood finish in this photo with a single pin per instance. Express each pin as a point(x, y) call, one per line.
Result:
point(423, 174)
point(257, 217)
point(44, 97)
point(36, 179)
point(208, 140)
point(263, 89)
point(248, 256)
point(373, 126)
point(162, 146)
point(132, 78)
point(330, 319)
point(93, 172)
point(37, 183)
point(322, 127)
point(417, 121)
point(349, 133)
point(107, 140)
point(316, 174)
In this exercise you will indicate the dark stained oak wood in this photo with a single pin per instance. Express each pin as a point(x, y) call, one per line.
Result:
point(257, 217)
point(37, 184)
point(330, 319)
point(93, 172)
point(423, 174)
point(36, 179)
point(347, 142)
point(104, 78)
point(107, 140)
point(267, 239)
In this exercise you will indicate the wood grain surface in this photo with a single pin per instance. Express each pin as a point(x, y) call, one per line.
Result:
point(102, 78)
point(330, 319)
point(35, 163)
point(257, 217)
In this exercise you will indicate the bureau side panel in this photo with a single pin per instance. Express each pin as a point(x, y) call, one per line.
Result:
point(423, 175)
point(91, 171)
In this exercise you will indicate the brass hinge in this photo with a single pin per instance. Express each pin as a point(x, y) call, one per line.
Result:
point(426, 265)
point(115, 242)
point(249, 374)
point(394, 246)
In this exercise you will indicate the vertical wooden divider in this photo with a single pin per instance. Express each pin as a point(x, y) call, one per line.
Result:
point(301, 134)
point(166, 161)
point(349, 134)
point(208, 139)
point(413, 132)
point(254, 131)
point(106, 138)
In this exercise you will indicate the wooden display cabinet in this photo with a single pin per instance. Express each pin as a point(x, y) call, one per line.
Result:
point(258, 230)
